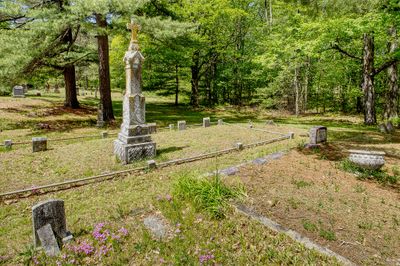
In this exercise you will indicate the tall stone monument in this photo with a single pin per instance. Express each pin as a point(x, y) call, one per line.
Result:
point(134, 142)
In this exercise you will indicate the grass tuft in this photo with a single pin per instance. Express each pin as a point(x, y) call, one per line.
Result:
point(367, 174)
point(208, 194)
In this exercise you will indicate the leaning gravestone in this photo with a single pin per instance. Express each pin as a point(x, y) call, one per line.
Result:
point(18, 92)
point(48, 240)
point(39, 144)
point(206, 122)
point(181, 125)
point(52, 213)
point(318, 135)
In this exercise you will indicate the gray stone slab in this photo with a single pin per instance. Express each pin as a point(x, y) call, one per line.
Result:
point(206, 122)
point(18, 92)
point(275, 156)
point(39, 144)
point(229, 171)
point(48, 240)
point(318, 135)
point(220, 122)
point(181, 125)
point(259, 161)
point(156, 226)
point(8, 143)
point(49, 212)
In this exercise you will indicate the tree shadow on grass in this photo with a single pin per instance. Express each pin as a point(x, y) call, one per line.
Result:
point(170, 149)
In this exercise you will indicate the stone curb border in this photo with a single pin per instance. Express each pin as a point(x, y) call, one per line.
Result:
point(290, 233)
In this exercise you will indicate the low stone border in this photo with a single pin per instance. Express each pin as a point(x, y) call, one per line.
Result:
point(274, 226)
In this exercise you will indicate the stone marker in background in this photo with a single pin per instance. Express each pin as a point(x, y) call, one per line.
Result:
point(100, 117)
point(18, 92)
point(239, 146)
point(50, 212)
point(220, 122)
point(181, 125)
point(291, 135)
point(171, 126)
point(48, 240)
point(134, 142)
point(152, 128)
point(104, 134)
point(206, 122)
point(318, 135)
point(8, 144)
point(151, 164)
point(39, 144)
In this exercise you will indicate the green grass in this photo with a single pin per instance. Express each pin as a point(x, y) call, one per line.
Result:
point(368, 174)
point(208, 194)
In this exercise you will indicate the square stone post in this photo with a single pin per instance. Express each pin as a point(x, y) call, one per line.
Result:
point(206, 122)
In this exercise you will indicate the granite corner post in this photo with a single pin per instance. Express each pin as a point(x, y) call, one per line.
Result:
point(134, 141)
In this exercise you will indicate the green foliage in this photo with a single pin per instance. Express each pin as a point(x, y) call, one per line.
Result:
point(362, 173)
point(208, 194)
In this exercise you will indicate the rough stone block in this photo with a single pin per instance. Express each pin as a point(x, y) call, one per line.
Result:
point(128, 153)
point(239, 146)
point(49, 212)
point(39, 144)
point(151, 164)
point(48, 240)
point(104, 134)
point(318, 135)
point(181, 125)
point(206, 122)
point(8, 143)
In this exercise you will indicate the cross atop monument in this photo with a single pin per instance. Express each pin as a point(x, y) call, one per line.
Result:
point(135, 28)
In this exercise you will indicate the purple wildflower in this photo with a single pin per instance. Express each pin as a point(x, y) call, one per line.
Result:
point(123, 231)
point(168, 197)
point(86, 248)
point(207, 257)
point(35, 261)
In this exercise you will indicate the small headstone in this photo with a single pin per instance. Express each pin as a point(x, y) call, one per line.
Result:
point(291, 135)
point(38, 94)
point(239, 146)
point(152, 128)
point(390, 127)
point(18, 92)
point(171, 126)
point(104, 134)
point(39, 144)
point(181, 125)
point(8, 143)
point(206, 122)
point(318, 135)
point(156, 226)
point(49, 212)
point(220, 122)
point(100, 120)
point(48, 240)
point(250, 125)
point(151, 164)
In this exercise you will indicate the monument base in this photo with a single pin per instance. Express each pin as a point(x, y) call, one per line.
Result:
point(128, 153)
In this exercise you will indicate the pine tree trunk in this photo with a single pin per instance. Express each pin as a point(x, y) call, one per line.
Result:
point(194, 98)
point(296, 89)
point(176, 84)
point(104, 70)
point(392, 96)
point(70, 87)
point(368, 80)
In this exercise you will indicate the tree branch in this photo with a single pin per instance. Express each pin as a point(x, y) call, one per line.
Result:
point(339, 49)
point(384, 66)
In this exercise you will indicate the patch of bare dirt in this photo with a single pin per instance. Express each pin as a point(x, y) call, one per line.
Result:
point(308, 193)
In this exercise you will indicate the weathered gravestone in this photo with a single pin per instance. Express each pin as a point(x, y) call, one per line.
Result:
point(181, 125)
point(8, 144)
point(134, 141)
point(206, 122)
point(152, 128)
point(48, 215)
point(18, 92)
point(318, 135)
point(171, 126)
point(39, 144)
point(220, 122)
point(104, 134)
point(100, 117)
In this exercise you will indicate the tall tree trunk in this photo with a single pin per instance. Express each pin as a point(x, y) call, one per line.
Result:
point(104, 70)
point(195, 69)
point(176, 84)
point(71, 99)
point(392, 95)
point(296, 90)
point(368, 80)
point(70, 87)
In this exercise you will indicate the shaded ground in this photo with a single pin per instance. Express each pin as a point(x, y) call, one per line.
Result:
point(312, 195)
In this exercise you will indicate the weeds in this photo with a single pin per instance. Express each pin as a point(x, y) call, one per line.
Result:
point(208, 194)
point(327, 234)
point(368, 174)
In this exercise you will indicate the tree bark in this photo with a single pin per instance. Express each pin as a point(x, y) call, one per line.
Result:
point(104, 70)
point(176, 84)
point(368, 80)
point(392, 95)
point(195, 69)
point(70, 87)
point(296, 90)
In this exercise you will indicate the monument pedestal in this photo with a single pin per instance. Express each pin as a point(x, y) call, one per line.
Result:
point(129, 153)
